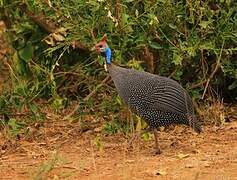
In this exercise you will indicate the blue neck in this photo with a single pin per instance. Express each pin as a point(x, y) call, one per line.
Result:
point(108, 55)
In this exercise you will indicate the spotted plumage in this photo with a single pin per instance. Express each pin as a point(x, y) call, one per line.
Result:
point(161, 101)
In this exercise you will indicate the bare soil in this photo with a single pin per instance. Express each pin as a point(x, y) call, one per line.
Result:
point(60, 154)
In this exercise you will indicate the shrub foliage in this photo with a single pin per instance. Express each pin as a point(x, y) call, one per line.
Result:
point(191, 41)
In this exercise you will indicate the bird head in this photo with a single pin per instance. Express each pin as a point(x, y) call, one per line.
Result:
point(103, 48)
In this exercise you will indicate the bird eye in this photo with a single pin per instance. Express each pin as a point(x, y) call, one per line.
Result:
point(100, 46)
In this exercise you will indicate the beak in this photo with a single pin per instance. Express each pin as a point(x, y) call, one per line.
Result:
point(105, 66)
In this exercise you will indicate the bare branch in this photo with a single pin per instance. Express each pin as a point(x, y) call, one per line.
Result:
point(87, 97)
point(218, 65)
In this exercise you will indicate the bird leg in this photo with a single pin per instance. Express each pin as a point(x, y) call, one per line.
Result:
point(138, 134)
point(158, 151)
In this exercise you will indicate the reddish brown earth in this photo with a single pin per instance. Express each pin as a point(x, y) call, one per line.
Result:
point(55, 154)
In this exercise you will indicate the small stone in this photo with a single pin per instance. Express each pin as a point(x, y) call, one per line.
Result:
point(130, 161)
point(161, 173)
point(189, 166)
point(206, 164)
point(182, 156)
point(98, 129)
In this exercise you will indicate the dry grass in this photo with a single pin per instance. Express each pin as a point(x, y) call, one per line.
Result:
point(213, 113)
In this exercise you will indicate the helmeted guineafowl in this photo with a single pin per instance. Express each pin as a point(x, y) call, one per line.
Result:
point(159, 100)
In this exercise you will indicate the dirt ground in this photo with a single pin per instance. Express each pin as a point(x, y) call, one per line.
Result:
point(55, 154)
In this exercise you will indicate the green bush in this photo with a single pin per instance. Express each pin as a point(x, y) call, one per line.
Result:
point(192, 41)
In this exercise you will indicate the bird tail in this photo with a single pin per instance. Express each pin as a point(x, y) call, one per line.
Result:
point(194, 123)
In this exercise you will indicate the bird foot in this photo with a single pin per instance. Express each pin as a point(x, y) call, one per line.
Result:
point(157, 152)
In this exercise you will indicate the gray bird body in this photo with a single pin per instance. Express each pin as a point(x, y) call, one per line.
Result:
point(159, 100)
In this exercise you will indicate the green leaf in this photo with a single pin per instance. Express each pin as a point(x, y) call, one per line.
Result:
point(139, 124)
point(204, 24)
point(33, 108)
point(233, 85)
point(155, 45)
point(125, 18)
point(207, 45)
point(177, 59)
point(15, 127)
point(118, 100)
point(98, 142)
point(101, 60)
point(191, 51)
point(172, 26)
point(146, 136)
point(26, 53)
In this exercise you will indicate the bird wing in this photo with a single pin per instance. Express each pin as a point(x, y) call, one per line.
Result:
point(168, 96)
point(140, 89)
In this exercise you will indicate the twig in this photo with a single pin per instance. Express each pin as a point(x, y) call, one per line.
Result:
point(65, 73)
point(11, 70)
point(93, 159)
point(198, 84)
point(97, 87)
point(87, 97)
point(50, 27)
point(168, 39)
point(172, 74)
point(204, 92)
point(118, 13)
point(214, 72)
point(16, 114)
point(70, 167)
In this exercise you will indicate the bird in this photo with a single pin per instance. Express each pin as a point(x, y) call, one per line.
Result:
point(159, 100)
